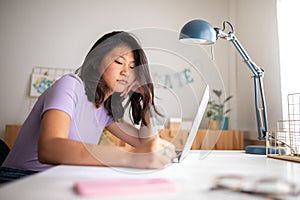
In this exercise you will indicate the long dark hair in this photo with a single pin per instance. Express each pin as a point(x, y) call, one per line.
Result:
point(96, 88)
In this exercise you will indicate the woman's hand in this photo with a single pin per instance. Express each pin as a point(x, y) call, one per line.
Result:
point(152, 144)
point(153, 153)
point(156, 154)
point(135, 87)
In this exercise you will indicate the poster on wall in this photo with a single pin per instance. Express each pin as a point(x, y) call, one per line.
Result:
point(41, 82)
point(43, 77)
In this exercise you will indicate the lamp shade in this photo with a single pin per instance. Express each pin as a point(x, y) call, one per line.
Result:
point(199, 32)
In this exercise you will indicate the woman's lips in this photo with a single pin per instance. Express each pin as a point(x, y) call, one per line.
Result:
point(123, 82)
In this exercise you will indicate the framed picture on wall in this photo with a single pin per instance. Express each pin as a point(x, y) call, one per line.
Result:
point(41, 82)
point(43, 77)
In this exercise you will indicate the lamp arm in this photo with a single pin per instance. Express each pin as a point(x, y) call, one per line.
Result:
point(261, 113)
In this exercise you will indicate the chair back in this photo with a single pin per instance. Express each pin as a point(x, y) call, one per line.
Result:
point(4, 150)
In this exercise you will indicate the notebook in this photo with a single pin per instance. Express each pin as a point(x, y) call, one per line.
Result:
point(181, 154)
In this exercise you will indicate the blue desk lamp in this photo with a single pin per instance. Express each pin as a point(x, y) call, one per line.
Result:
point(202, 33)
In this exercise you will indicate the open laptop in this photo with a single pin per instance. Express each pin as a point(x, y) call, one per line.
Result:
point(181, 154)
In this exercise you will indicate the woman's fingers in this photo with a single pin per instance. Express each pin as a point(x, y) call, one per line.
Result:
point(132, 87)
point(153, 160)
point(156, 154)
point(166, 155)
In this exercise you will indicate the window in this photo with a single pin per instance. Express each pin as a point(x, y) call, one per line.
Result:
point(288, 12)
point(289, 43)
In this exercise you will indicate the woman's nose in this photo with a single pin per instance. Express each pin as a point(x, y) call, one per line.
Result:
point(125, 71)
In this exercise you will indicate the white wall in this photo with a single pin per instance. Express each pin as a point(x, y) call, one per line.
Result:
point(55, 33)
point(257, 31)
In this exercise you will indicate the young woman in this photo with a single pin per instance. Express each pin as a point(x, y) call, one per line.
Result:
point(66, 123)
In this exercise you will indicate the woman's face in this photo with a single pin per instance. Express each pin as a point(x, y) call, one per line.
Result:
point(118, 69)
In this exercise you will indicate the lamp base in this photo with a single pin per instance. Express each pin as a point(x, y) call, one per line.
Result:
point(256, 149)
point(261, 150)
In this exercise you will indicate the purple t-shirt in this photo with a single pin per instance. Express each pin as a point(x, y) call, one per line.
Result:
point(66, 94)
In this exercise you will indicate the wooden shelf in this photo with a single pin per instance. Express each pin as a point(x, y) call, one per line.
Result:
point(11, 133)
point(219, 140)
point(207, 139)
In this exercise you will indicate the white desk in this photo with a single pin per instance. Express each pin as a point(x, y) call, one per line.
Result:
point(192, 177)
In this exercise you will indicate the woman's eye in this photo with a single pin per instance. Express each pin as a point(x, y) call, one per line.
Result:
point(132, 67)
point(118, 62)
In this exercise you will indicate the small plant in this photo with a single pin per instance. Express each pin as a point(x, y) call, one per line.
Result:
point(216, 109)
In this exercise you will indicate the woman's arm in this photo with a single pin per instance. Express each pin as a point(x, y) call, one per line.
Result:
point(130, 134)
point(54, 147)
point(144, 139)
